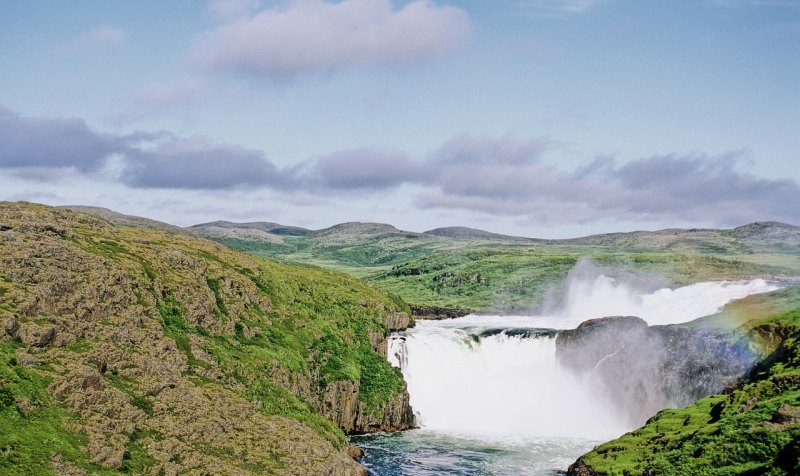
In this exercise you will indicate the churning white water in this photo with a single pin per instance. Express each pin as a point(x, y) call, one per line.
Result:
point(604, 296)
point(495, 379)
point(498, 387)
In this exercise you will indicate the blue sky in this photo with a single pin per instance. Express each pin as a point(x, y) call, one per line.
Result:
point(547, 118)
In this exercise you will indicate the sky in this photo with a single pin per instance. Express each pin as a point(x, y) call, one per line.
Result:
point(541, 118)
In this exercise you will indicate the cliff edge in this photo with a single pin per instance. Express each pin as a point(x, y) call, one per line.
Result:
point(748, 419)
point(129, 350)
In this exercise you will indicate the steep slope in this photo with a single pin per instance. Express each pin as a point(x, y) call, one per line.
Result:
point(120, 219)
point(754, 428)
point(125, 350)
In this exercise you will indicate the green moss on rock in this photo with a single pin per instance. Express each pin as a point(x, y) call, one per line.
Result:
point(145, 351)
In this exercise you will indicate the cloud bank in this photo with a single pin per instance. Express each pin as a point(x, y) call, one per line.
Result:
point(52, 143)
point(494, 176)
point(196, 163)
point(506, 177)
point(316, 36)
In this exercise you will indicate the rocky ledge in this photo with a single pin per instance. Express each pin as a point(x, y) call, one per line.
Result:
point(437, 313)
point(748, 355)
point(643, 369)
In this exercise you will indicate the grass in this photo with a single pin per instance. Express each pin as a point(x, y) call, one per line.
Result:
point(33, 425)
point(505, 276)
point(280, 334)
point(274, 334)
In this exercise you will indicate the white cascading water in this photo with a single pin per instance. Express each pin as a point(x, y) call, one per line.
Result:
point(510, 388)
point(498, 388)
point(604, 296)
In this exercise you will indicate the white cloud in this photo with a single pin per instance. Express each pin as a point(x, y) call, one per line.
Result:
point(315, 36)
point(497, 177)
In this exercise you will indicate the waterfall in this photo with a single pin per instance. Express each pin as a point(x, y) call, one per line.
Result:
point(499, 386)
point(481, 376)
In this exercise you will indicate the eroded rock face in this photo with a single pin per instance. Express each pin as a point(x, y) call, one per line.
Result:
point(437, 313)
point(340, 404)
point(396, 321)
point(83, 303)
point(583, 348)
point(643, 369)
point(579, 468)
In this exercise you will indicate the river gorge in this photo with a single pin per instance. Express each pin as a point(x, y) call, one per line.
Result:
point(496, 395)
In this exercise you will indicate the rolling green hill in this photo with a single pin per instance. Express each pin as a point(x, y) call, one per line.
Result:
point(130, 349)
point(482, 271)
point(130, 346)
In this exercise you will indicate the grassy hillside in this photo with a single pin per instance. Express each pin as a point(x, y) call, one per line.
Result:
point(482, 271)
point(132, 350)
point(754, 429)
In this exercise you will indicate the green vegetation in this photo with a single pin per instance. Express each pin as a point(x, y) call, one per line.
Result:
point(32, 424)
point(158, 352)
point(497, 274)
point(137, 350)
point(755, 429)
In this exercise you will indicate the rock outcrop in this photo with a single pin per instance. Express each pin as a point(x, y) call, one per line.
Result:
point(165, 354)
point(753, 427)
point(643, 369)
point(341, 405)
point(437, 313)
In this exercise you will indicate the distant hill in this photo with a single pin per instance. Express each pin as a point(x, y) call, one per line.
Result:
point(232, 233)
point(461, 267)
point(119, 219)
point(771, 230)
point(269, 227)
point(359, 228)
point(353, 233)
point(762, 236)
point(474, 269)
point(464, 233)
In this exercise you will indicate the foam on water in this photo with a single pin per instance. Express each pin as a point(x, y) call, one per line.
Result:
point(604, 296)
point(499, 387)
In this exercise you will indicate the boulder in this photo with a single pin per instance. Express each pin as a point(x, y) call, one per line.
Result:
point(642, 369)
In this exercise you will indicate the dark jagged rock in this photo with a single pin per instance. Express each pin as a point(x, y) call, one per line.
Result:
point(579, 468)
point(644, 369)
point(12, 327)
point(341, 405)
point(523, 332)
point(582, 348)
point(437, 313)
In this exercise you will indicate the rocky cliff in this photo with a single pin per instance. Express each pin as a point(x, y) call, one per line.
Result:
point(124, 350)
point(750, 426)
point(643, 369)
